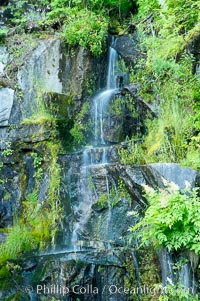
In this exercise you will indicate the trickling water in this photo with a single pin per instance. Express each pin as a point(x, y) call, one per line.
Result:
point(96, 155)
point(112, 69)
point(166, 263)
point(109, 206)
point(185, 276)
point(137, 270)
point(83, 211)
point(104, 156)
point(101, 101)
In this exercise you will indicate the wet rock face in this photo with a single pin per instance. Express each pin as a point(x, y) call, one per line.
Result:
point(109, 208)
point(50, 69)
point(47, 69)
point(40, 74)
point(183, 177)
point(17, 181)
point(24, 134)
point(80, 72)
point(124, 116)
point(128, 48)
point(101, 256)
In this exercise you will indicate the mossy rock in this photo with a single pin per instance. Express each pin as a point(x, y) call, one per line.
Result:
point(58, 104)
point(115, 27)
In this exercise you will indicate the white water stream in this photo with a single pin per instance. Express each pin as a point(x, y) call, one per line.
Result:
point(96, 155)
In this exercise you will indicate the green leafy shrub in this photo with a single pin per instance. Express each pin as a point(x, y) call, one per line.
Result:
point(145, 7)
point(114, 7)
point(186, 12)
point(86, 29)
point(172, 220)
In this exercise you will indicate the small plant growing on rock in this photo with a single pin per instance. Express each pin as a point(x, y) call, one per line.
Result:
point(8, 151)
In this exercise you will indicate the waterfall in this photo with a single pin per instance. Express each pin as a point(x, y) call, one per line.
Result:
point(112, 69)
point(97, 154)
point(102, 99)
point(109, 206)
point(101, 102)
point(83, 211)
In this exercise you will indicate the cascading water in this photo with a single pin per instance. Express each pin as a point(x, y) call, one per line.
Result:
point(84, 209)
point(101, 101)
point(97, 154)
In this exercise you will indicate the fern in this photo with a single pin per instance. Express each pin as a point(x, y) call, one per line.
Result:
point(172, 220)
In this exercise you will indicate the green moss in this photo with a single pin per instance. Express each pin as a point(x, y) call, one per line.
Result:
point(102, 202)
point(41, 114)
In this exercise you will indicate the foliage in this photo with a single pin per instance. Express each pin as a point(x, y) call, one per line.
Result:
point(86, 29)
point(19, 240)
point(134, 153)
point(8, 151)
point(37, 163)
point(172, 220)
point(177, 293)
point(113, 7)
point(3, 33)
point(146, 7)
point(122, 192)
point(54, 190)
point(81, 26)
point(119, 105)
point(85, 22)
point(168, 82)
point(36, 226)
point(24, 11)
point(168, 135)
